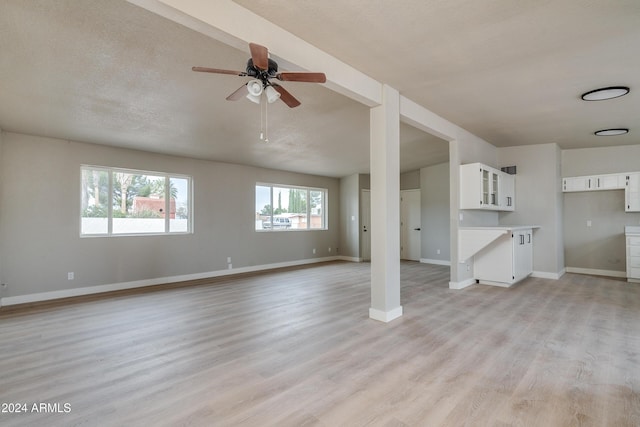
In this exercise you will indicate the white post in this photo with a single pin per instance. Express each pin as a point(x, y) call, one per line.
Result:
point(385, 207)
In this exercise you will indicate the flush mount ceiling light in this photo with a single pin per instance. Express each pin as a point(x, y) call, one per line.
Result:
point(605, 93)
point(612, 132)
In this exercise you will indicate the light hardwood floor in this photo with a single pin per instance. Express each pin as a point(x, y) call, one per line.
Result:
point(296, 347)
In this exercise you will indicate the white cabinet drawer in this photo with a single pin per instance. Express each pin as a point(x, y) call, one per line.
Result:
point(634, 251)
point(633, 240)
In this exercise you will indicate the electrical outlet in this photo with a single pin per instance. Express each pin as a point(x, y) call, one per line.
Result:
point(3, 288)
point(438, 251)
point(229, 266)
point(329, 248)
point(314, 251)
point(70, 275)
point(588, 223)
point(228, 259)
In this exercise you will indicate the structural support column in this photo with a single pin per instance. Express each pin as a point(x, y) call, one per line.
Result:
point(385, 207)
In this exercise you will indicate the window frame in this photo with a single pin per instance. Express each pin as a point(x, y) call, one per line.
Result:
point(325, 210)
point(110, 198)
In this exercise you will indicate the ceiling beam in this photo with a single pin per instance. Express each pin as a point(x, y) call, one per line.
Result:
point(232, 24)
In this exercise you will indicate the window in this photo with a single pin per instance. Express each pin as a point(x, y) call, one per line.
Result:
point(283, 208)
point(128, 202)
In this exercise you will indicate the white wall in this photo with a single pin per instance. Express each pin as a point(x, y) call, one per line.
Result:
point(600, 246)
point(434, 201)
point(601, 160)
point(538, 201)
point(350, 216)
point(40, 190)
point(410, 180)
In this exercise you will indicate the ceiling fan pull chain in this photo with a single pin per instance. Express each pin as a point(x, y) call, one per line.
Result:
point(261, 121)
point(266, 123)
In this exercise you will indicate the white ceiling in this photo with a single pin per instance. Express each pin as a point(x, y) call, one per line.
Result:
point(511, 72)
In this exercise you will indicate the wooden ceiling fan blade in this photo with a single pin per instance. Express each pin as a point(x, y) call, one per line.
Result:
point(240, 93)
point(260, 56)
point(285, 96)
point(302, 76)
point(218, 71)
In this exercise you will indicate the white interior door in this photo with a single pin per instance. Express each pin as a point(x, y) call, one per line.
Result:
point(410, 241)
point(365, 225)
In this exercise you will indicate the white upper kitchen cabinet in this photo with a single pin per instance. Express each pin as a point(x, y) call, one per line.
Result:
point(613, 181)
point(630, 182)
point(632, 192)
point(487, 188)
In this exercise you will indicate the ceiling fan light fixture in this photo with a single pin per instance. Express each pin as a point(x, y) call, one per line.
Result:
point(253, 98)
point(272, 94)
point(605, 93)
point(254, 87)
point(612, 132)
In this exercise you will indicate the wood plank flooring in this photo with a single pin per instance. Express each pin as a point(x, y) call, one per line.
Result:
point(296, 348)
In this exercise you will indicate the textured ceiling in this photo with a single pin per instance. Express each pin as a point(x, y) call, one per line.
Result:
point(112, 73)
point(109, 72)
point(509, 71)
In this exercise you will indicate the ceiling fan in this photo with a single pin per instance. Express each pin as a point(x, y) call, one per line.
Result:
point(263, 69)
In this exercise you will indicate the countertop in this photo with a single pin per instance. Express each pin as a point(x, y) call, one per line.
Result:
point(505, 227)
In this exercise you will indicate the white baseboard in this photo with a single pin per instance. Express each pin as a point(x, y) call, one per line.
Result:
point(90, 290)
point(539, 274)
point(549, 275)
point(596, 272)
point(463, 284)
point(385, 316)
point(492, 283)
point(434, 261)
point(349, 258)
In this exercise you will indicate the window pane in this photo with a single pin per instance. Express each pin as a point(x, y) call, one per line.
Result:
point(95, 196)
point(316, 212)
point(263, 207)
point(290, 208)
point(117, 202)
point(281, 216)
point(179, 205)
point(138, 203)
point(296, 207)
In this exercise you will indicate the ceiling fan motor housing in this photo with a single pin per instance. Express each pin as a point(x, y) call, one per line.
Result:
point(252, 71)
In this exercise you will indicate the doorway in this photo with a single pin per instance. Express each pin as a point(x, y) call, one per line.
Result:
point(410, 239)
point(365, 224)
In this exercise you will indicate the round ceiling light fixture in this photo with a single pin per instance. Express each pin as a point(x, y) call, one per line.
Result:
point(612, 132)
point(605, 93)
